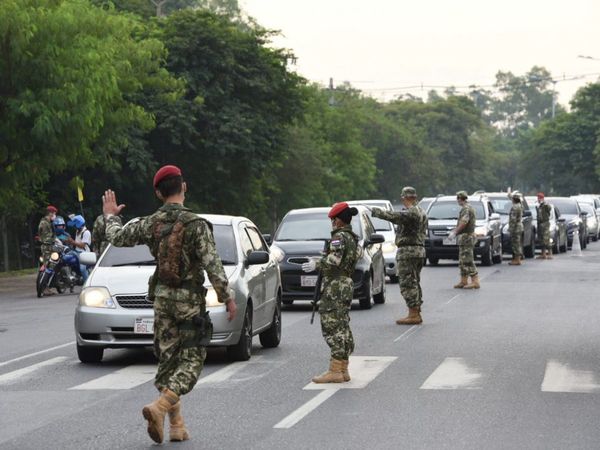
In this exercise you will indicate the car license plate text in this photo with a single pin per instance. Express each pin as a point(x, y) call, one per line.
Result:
point(448, 241)
point(308, 280)
point(143, 326)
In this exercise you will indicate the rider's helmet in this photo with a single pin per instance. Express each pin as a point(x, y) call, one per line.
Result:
point(59, 223)
point(77, 222)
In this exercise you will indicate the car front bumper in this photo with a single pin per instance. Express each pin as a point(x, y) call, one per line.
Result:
point(292, 289)
point(434, 248)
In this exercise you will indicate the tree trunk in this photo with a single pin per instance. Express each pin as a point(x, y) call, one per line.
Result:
point(4, 233)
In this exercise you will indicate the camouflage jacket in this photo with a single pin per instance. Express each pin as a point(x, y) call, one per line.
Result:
point(342, 254)
point(515, 218)
point(199, 252)
point(544, 210)
point(466, 216)
point(99, 241)
point(411, 230)
point(46, 232)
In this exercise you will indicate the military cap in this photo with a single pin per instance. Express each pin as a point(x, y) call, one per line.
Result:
point(51, 209)
point(166, 172)
point(462, 194)
point(408, 191)
point(337, 208)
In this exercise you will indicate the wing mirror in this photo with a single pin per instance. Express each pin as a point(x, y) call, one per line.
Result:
point(257, 257)
point(527, 213)
point(268, 238)
point(376, 239)
point(496, 216)
point(562, 219)
point(87, 258)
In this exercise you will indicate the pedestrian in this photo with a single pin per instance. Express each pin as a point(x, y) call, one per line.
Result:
point(184, 248)
point(465, 231)
point(544, 211)
point(99, 241)
point(337, 291)
point(411, 230)
point(47, 236)
point(82, 242)
point(515, 228)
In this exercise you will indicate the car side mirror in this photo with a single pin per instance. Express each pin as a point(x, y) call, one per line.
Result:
point(257, 257)
point(584, 214)
point(87, 258)
point(268, 238)
point(495, 216)
point(562, 219)
point(376, 239)
point(527, 213)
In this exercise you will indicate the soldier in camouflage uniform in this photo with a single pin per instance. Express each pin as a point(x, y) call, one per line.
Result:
point(515, 228)
point(465, 230)
point(337, 267)
point(544, 211)
point(47, 237)
point(184, 248)
point(410, 240)
point(99, 241)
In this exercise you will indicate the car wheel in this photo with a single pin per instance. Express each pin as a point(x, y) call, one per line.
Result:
point(90, 355)
point(529, 251)
point(366, 301)
point(379, 299)
point(497, 259)
point(486, 258)
point(434, 261)
point(563, 248)
point(243, 349)
point(394, 279)
point(555, 247)
point(272, 337)
point(288, 302)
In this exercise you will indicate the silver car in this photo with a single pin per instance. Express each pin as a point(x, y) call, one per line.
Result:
point(114, 310)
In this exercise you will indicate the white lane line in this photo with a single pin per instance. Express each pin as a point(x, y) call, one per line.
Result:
point(452, 299)
point(17, 374)
point(363, 370)
point(30, 355)
point(453, 373)
point(562, 378)
point(305, 409)
point(227, 372)
point(126, 378)
point(407, 333)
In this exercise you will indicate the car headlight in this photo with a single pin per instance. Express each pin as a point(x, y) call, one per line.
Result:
point(277, 253)
point(96, 297)
point(388, 247)
point(212, 299)
point(481, 231)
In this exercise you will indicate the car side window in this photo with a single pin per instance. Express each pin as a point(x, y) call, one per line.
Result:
point(369, 228)
point(245, 241)
point(490, 208)
point(256, 239)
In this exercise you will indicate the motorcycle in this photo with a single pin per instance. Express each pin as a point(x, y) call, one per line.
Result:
point(60, 272)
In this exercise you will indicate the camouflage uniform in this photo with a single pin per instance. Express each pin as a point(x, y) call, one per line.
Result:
point(410, 239)
point(180, 357)
point(337, 291)
point(99, 241)
point(515, 228)
point(466, 241)
point(544, 210)
point(47, 237)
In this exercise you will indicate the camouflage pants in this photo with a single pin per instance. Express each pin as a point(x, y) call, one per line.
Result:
point(334, 309)
point(516, 243)
point(544, 231)
point(46, 252)
point(466, 258)
point(409, 275)
point(178, 367)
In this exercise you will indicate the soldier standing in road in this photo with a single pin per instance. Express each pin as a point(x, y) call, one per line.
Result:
point(184, 248)
point(99, 241)
point(515, 228)
point(337, 267)
point(47, 236)
point(465, 230)
point(544, 210)
point(410, 240)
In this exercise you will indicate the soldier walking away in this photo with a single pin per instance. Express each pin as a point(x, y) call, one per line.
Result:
point(47, 236)
point(515, 228)
point(337, 267)
point(410, 240)
point(465, 231)
point(544, 210)
point(183, 246)
point(99, 241)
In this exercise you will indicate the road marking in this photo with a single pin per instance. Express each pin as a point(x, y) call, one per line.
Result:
point(17, 374)
point(30, 355)
point(562, 378)
point(126, 378)
point(407, 333)
point(452, 299)
point(227, 372)
point(363, 370)
point(453, 373)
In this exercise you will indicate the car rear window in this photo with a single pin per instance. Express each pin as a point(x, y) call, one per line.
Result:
point(501, 205)
point(449, 210)
point(309, 227)
point(565, 206)
point(140, 254)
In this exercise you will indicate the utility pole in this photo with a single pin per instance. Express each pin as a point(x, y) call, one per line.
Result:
point(331, 98)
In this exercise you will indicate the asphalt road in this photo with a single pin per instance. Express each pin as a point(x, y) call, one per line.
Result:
point(513, 365)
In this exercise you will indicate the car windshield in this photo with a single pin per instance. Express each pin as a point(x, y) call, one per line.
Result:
point(380, 224)
point(309, 227)
point(565, 206)
point(140, 254)
point(502, 205)
point(424, 204)
point(449, 210)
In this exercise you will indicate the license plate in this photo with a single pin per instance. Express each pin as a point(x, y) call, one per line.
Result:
point(308, 280)
point(448, 241)
point(143, 326)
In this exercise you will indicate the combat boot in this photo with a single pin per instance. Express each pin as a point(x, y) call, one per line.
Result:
point(549, 254)
point(413, 318)
point(474, 283)
point(462, 283)
point(516, 261)
point(177, 430)
point(345, 372)
point(156, 411)
point(542, 256)
point(333, 375)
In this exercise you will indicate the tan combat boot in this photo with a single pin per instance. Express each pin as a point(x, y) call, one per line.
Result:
point(542, 256)
point(345, 372)
point(177, 430)
point(462, 283)
point(333, 375)
point(474, 283)
point(156, 411)
point(413, 318)
point(549, 254)
point(516, 261)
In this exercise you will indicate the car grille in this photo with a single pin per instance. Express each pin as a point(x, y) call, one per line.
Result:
point(298, 260)
point(440, 232)
point(134, 301)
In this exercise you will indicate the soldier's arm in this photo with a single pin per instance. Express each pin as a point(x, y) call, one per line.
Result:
point(206, 252)
point(335, 253)
point(463, 221)
point(396, 217)
point(46, 234)
point(134, 233)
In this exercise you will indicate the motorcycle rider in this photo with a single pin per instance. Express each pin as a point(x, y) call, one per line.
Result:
point(82, 242)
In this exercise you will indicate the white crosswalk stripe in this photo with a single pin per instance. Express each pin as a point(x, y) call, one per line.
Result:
point(560, 377)
point(454, 373)
point(126, 378)
point(19, 374)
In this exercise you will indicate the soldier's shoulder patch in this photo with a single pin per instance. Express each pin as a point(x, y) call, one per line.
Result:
point(336, 243)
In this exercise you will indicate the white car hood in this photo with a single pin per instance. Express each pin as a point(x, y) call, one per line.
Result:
point(132, 279)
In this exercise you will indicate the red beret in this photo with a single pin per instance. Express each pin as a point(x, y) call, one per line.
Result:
point(51, 209)
point(166, 172)
point(336, 209)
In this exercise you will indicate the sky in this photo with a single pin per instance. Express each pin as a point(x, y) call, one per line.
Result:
point(382, 45)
